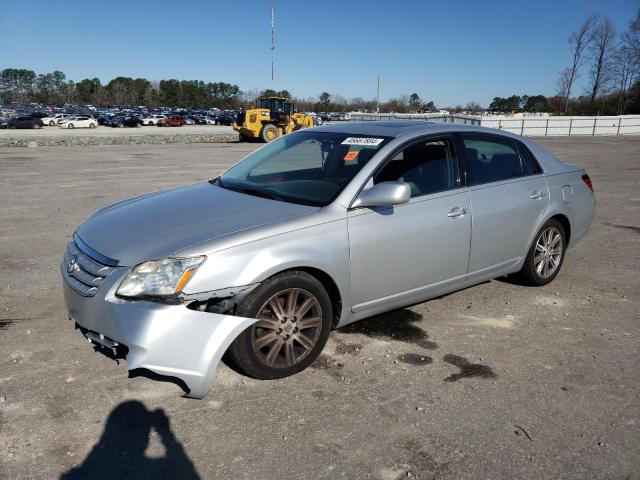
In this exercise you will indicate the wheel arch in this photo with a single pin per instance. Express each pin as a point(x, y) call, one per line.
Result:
point(327, 282)
point(566, 224)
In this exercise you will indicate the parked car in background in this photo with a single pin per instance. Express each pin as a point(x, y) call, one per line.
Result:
point(49, 120)
point(57, 118)
point(104, 119)
point(124, 121)
point(407, 211)
point(24, 121)
point(152, 119)
point(171, 121)
point(188, 120)
point(227, 117)
point(79, 121)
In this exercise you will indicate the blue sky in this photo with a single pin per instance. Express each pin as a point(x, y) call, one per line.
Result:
point(451, 52)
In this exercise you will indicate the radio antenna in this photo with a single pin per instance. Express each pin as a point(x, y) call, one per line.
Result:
point(273, 47)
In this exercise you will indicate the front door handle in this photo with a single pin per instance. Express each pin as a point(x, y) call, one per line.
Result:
point(457, 212)
point(537, 195)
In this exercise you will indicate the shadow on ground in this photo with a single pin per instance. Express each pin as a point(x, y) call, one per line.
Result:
point(120, 452)
point(396, 325)
point(467, 369)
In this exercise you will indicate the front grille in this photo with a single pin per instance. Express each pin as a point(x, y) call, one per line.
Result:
point(83, 273)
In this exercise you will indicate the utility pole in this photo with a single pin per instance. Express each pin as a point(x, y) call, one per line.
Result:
point(378, 96)
point(273, 47)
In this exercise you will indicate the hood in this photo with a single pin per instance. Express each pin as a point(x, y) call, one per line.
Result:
point(157, 225)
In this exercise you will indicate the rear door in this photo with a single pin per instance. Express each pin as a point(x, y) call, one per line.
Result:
point(509, 197)
point(402, 253)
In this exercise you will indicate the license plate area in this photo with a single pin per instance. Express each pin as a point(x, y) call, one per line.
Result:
point(103, 344)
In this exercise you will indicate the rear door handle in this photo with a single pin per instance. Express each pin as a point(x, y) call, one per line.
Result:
point(537, 195)
point(457, 212)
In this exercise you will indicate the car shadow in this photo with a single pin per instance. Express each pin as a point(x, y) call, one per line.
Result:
point(120, 452)
point(513, 280)
point(395, 325)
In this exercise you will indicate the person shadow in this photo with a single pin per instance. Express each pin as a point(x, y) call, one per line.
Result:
point(120, 452)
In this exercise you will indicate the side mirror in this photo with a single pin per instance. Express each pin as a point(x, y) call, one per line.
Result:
point(384, 194)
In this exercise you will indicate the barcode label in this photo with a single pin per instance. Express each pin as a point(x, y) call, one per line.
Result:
point(363, 141)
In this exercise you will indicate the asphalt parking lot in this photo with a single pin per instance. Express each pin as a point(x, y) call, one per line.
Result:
point(496, 381)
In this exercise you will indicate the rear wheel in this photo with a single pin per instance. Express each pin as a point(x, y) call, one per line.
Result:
point(294, 315)
point(546, 255)
point(269, 132)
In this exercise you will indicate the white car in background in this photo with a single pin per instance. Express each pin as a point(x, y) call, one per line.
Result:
point(54, 120)
point(79, 121)
point(152, 119)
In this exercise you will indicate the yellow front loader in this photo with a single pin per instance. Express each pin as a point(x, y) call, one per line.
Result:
point(272, 118)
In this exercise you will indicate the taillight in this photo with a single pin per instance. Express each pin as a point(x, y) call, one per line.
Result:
point(587, 180)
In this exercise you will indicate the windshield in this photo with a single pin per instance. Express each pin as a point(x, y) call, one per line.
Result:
point(306, 167)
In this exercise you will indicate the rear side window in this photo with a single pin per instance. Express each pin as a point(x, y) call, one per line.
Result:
point(491, 160)
point(529, 164)
point(427, 166)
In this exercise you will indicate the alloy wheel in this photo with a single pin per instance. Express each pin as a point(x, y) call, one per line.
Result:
point(548, 252)
point(288, 327)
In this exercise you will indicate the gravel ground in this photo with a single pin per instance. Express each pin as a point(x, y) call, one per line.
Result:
point(496, 381)
point(56, 136)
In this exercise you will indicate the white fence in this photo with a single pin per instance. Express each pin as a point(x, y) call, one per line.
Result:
point(529, 126)
point(565, 126)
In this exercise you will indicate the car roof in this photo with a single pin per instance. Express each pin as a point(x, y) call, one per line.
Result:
point(409, 129)
point(397, 128)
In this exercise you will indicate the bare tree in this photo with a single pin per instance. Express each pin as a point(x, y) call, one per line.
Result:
point(602, 52)
point(578, 42)
point(563, 83)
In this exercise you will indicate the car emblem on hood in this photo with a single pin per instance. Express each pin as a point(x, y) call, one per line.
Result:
point(72, 266)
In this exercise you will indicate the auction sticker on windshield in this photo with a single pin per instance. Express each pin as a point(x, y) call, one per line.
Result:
point(374, 142)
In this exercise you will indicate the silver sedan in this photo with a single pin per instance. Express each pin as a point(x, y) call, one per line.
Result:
point(316, 230)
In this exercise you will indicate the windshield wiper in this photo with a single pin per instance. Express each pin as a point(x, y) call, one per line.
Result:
point(248, 190)
point(258, 193)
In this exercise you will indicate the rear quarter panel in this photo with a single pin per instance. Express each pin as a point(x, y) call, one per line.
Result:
point(570, 196)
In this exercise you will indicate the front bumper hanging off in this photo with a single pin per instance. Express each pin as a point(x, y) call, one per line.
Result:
point(170, 340)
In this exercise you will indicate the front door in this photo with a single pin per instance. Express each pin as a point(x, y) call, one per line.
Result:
point(399, 254)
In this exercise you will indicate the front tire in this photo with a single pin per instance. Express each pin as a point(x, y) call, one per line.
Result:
point(546, 256)
point(70, 125)
point(294, 314)
point(269, 133)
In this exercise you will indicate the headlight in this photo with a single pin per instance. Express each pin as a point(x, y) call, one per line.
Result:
point(159, 278)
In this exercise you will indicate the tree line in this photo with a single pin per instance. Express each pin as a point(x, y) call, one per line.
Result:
point(22, 86)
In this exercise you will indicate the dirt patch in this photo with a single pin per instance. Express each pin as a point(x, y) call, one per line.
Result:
point(325, 362)
point(467, 369)
point(344, 348)
point(396, 325)
point(415, 359)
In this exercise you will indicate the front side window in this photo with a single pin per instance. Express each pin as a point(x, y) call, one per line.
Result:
point(491, 160)
point(427, 166)
point(307, 167)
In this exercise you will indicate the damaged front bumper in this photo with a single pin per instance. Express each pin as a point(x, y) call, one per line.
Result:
point(168, 339)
